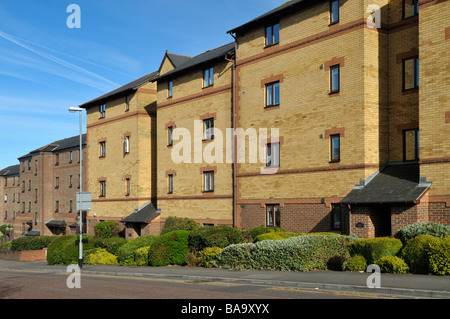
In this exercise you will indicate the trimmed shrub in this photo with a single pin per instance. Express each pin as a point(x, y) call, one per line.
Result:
point(355, 263)
point(111, 245)
point(141, 256)
point(56, 248)
point(414, 253)
point(392, 264)
point(206, 256)
point(301, 253)
point(259, 230)
point(70, 253)
point(410, 231)
point(215, 236)
point(125, 253)
point(31, 243)
point(169, 249)
point(107, 229)
point(275, 236)
point(374, 248)
point(100, 256)
point(177, 223)
point(439, 256)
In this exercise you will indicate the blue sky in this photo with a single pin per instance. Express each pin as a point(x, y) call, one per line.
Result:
point(46, 67)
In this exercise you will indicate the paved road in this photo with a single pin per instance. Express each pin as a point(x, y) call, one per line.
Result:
point(19, 284)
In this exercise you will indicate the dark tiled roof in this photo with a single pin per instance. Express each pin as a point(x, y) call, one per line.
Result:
point(200, 59)
point(60, 145)
point(143, 214)
point(10, 170)
point(56, 223)
point(178, 60)
point(121, 91)
point(285, 7)
point(396, 183)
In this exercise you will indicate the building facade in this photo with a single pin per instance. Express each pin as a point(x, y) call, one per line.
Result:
point(193, 115)
point(40, 192)
point(121, 142)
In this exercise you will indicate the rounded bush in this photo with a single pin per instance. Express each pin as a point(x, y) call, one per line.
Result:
point(31, 243)
point(56, 248)
point(107, 229)
point(355, 263)
point(215, 236)
point(169, 249)
point(141, 256)
point(259, 230)
point(374, 248)
point(100, 257)
point(414, 253)
point(392, 264)
point(112, 245)
point(439, 256)
point(177, 223)
point(206, 256)
point(125, 253)
point(70, 253)
point(410, 231)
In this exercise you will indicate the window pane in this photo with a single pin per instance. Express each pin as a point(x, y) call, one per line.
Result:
point(276, 33)
point(335, 79)
point(334, 7)
point(170, 137)
point(276, 93)
point(416, 74)
point(335, 148)
point(170, 88)
point(411, 146)
point(269, 35)
point(269, 89)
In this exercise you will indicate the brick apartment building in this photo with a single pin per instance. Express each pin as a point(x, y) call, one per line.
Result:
point(345, 99)
point(316, 118)
point(39, 194)
point(121, 156)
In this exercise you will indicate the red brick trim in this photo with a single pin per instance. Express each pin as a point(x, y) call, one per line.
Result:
point(210, 195)
point(447, 33)
point(208, 169)
point(170, 172)
point(271, 79)
point(408, 54)
point(334, 61)
point(407, 126)
point(447, 117)
point(208, 116)
point(211, 91)
point(169, 124)
point(334, 131)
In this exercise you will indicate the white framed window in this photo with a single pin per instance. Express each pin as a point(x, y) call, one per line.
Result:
point(126, 144)
point(208, 181)
point(102, 110)
point(208, 129)
point(273, 155)
point(273, 215)
point(208, 77)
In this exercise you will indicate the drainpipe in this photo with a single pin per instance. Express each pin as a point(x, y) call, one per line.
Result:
point(233, 125)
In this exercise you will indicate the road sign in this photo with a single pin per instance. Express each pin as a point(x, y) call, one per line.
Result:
point(84, 200)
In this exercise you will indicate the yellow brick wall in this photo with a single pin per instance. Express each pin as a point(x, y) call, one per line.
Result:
point(434, 96)
point(191, 102)
point(139, 165)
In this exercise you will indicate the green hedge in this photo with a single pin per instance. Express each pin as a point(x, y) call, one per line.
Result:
point(416, 255)
point(373, 249)
point(355, 263)
point(392, 265)
point(56, 248)
point(177, 223)
point(31, 243)
point(410, 231)
point(107, 229)
point(70, 253)
point(169, 249)
point(275, 236)
point(112, 245)
point(259, 230)
point(100, 256)
point(439, 256)
point(215, 236)
point(126, 255)
point(302, 253)
point(206, 257)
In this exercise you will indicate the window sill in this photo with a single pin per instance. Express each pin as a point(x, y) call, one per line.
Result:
point(410, 91)
point(333, 23)
point(272, 107)
point(271, 45)
point(208, 192)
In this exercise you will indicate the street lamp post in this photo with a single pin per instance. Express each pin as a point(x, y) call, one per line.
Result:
point(80, 251)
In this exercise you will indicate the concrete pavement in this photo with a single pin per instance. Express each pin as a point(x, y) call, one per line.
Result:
point(414, 286)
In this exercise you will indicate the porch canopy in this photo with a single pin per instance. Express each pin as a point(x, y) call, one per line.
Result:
point(394, 183)
point(143, 214)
